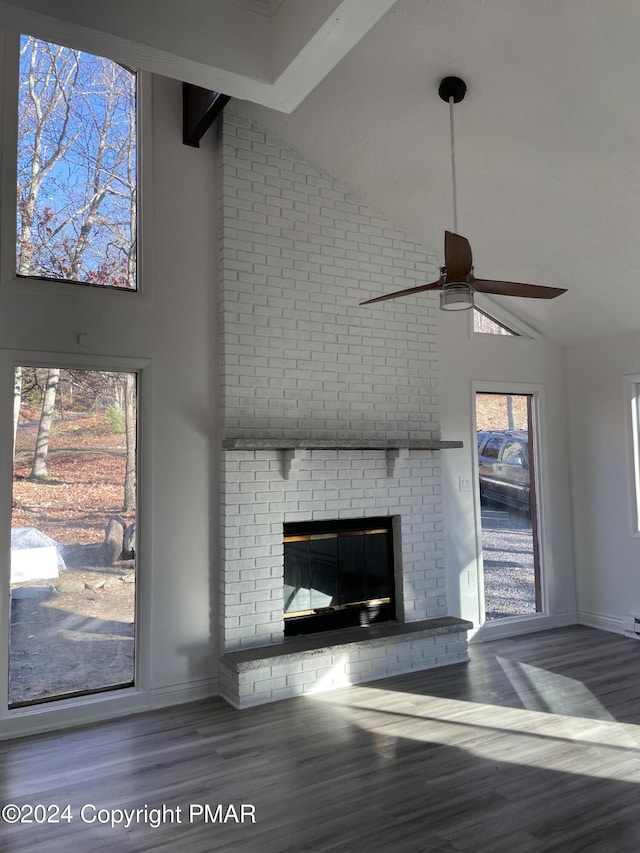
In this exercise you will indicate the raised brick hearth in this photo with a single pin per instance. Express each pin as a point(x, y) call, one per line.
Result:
point(352, 656)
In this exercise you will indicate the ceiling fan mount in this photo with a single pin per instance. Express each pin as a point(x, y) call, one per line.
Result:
point(452, 88)
point(457, 283)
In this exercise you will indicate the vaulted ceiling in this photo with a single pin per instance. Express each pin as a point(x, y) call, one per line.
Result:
point(547, 138)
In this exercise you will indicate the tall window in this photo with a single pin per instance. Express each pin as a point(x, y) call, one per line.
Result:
point(73, 533)
point(76, 214)
point(509, 526)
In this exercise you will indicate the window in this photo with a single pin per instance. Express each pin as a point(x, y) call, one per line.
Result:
point(492, 448)
point(510, 560)
point(485, 324)
point(73, 533)
point(76, 214)
point(73, 127)
point(513, 453)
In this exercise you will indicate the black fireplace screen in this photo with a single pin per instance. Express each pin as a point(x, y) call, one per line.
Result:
point(337, 574)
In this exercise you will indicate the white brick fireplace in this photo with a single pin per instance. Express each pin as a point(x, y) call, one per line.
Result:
point(330, 410)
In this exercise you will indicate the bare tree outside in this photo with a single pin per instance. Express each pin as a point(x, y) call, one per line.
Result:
point(129, 502)
point(57, 391)
point(17, 396)
point(510, 418)
point(39, 467)
point(76, 194)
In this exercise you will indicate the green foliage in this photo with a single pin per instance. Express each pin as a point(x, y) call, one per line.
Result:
point(33, 396)
point(114, 418)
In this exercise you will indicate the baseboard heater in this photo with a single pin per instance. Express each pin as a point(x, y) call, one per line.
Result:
point(632, 627)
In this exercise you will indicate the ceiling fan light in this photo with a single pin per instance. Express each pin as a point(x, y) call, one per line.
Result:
point(457, 296)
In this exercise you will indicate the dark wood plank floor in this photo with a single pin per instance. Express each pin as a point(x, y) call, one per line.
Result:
point(533, 746)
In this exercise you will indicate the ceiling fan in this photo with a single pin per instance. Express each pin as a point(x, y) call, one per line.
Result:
point(457, 282)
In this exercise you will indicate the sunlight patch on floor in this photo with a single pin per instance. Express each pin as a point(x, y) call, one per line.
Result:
point(543, 739)
point(542, 690)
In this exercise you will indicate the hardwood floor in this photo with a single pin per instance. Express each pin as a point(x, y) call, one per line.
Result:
point(533, 746)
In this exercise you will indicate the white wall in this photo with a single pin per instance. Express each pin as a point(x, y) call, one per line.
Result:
point(467, 358)
point(607, 555)
point(181, 326)
point(171, 328)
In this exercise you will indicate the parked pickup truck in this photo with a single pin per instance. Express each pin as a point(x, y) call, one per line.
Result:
point(503, 464)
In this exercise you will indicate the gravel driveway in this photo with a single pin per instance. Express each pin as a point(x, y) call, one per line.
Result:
point(507, 544)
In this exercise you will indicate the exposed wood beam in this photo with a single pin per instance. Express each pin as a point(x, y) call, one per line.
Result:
point(199, 110)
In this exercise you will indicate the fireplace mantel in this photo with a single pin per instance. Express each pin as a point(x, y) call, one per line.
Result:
point(337, 444)
point(293, 450)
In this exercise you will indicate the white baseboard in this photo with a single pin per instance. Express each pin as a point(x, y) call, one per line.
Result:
point(52, 716)
point(179, 694)
point(499, 629)
point(603, 621)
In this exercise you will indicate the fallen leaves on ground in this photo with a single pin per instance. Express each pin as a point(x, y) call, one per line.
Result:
point(85, 482)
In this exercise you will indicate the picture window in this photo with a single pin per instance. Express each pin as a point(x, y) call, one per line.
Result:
point(76, 213)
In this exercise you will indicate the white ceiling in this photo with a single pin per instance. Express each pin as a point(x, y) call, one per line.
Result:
point(547, 139)
point(547, 144)
point(272, 52)
point(263, 7)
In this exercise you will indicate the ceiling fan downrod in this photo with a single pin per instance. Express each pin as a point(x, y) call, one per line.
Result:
point(452, 90)
point(455, 295)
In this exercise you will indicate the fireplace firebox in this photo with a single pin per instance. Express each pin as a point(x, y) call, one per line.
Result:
point(338, 574)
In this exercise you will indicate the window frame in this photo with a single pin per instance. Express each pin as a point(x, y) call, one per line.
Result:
point(83, 327)
point(41, 285)
point(633, 445)
point(536, 392)
point(9, 360)
point(54, 361)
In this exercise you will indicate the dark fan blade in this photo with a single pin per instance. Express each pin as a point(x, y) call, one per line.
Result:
point(514, 288)
point(457, 257)
point(436, 285)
